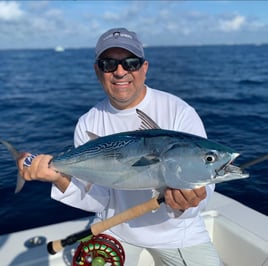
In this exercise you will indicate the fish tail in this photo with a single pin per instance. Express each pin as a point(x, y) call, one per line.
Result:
point(15, 154)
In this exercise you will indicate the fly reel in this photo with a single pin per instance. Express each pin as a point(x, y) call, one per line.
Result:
point(100, 250)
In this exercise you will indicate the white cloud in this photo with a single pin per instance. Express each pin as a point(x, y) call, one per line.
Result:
point(37, 6)
point(54, 13)
point(10, 11)
point(49, 23)
point(172, 27)
point(42, 25)
point(164, 14)
point(233, 24)
point(111, 16)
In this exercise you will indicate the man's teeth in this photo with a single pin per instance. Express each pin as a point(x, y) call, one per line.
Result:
point(121, 83)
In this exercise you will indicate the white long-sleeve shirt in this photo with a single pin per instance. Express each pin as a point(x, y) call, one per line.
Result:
point(164, 228)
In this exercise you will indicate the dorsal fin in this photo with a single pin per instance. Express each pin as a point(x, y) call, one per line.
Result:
point(146, 121)
point(92, 136)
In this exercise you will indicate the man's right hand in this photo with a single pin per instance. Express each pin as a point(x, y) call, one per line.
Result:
point(41, 170)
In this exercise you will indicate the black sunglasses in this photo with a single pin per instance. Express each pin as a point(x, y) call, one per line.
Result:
point(129, 64)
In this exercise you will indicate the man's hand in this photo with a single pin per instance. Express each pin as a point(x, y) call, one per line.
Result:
point(181, 200)
point(40, 170)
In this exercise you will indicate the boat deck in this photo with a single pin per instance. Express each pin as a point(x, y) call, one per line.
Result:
point(239, 233)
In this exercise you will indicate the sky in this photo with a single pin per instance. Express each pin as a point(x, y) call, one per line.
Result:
point(78, 23)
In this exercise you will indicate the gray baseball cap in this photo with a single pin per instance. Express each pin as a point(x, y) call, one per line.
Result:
point(122, 38)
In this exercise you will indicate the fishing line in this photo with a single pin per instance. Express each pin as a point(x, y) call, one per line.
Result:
point(255, 161)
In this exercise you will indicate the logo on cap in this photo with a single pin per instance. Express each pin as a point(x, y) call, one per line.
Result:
point(116, 34)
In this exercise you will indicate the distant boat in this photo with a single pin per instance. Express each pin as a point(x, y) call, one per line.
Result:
point(59, 49)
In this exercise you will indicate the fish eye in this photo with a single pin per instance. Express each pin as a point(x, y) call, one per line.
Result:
point(211, 157)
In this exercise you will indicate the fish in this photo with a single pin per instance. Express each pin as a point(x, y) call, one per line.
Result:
point(147, 158)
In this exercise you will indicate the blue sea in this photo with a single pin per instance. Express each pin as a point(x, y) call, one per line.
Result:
point(43, 93)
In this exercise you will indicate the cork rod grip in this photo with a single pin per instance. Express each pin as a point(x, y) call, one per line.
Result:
point(125, 216)
point(54, 247)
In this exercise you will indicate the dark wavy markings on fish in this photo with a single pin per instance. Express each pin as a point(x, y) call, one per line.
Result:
point(108, 146)
point(97, 149)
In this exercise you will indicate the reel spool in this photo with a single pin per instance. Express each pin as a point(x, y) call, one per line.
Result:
point(100, 250)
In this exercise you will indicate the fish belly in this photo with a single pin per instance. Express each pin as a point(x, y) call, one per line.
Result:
point(115, 174)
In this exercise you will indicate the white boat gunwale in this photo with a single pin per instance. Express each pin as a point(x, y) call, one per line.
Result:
point(239, 233)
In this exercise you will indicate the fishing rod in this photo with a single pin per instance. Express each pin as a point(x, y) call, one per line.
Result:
point(54, 247)
point(253, 162)
point(134, 212)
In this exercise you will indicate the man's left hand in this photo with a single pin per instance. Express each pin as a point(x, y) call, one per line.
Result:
point(179, 199)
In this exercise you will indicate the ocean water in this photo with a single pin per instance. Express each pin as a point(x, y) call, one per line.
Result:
point(43, 93)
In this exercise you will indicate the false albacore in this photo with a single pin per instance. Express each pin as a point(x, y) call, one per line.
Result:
point(147, 159)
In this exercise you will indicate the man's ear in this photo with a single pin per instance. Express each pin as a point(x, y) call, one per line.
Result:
point(97, 71)
point(145, 67)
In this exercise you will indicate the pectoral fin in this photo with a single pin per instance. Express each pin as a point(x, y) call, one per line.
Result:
point(143, 161)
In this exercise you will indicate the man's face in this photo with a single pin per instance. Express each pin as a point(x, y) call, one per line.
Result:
point(125, 89)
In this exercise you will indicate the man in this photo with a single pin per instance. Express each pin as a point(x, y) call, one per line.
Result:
point(175, 234)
